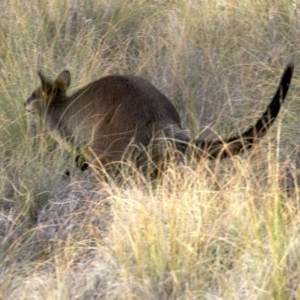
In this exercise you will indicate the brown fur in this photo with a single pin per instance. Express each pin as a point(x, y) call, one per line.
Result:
point(117, 114)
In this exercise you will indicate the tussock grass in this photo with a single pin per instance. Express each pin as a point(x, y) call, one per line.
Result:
point(205, 230)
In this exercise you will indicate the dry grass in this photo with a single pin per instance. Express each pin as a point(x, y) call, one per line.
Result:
point(207, 230)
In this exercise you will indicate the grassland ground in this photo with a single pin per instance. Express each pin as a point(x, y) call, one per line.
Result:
point(206, 230)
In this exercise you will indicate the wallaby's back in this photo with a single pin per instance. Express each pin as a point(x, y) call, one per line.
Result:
point(121, 109)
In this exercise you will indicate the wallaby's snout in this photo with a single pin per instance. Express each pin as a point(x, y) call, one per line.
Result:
point(28, 106)
point(31, 104)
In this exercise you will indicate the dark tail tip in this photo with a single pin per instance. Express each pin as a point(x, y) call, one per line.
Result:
point(289, 70)
point(282, 90)
point(286, 78)
point(290, 66)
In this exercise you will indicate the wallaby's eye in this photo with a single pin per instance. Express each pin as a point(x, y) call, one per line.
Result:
point(33, 95)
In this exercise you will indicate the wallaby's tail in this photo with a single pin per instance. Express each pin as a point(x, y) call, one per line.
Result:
point(238, 144)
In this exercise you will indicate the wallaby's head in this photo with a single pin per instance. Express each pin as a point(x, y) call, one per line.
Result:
point(42, 97)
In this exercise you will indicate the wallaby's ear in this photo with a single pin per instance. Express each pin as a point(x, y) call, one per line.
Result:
point(64, 78)
point(44, 81)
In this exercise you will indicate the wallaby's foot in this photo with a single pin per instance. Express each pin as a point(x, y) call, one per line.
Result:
point(67, 173)
point(80, 163)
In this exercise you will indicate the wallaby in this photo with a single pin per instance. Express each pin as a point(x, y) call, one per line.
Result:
point(104, 119)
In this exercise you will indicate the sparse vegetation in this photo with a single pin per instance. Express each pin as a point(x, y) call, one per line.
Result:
point(206, 230)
